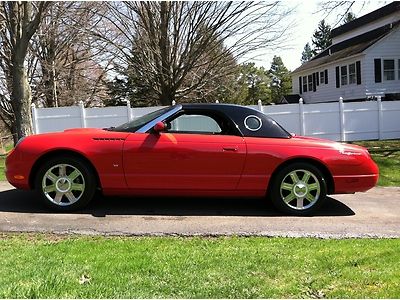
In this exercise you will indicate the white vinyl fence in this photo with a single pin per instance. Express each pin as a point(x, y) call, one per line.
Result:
point(339, 121)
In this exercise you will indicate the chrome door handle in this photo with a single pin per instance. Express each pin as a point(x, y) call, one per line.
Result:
point(229, 148)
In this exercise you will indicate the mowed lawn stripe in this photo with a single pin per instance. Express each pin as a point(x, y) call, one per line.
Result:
point(49, 266)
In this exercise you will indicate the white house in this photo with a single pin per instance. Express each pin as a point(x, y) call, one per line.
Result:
point(363, 61)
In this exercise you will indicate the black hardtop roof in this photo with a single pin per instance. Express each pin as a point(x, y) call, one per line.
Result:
point(209, 105)
point(217, 106)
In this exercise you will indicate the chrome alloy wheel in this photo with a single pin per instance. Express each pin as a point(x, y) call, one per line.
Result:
point(63, 184)
point(300, 189)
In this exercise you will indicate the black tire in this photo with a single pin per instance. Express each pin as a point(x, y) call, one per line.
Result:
point(75, 193)
point(308, 193)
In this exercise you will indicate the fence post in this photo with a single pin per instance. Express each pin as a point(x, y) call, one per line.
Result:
point(380, 117)
point(260, 106)
point(83, 114)
point(341, 118)
point(34, 119)
point(129, 110)
point(301, 116)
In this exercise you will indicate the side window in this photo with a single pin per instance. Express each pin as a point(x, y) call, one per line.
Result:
point(304, 83)
point(194, 124)
point(388, 69)
point(310, 83)
point(322, 77)
point(352, 73)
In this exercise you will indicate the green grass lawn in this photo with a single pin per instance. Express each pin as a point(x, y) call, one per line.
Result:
point(47, 266)
point(388, 162)
point(2, 167)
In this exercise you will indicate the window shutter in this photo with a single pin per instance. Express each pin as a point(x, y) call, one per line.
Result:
point(358, 72)
point(378, 69)
point(300, 86)
point(317, 78)
point(326, 76)
point(314, 82)
point(337, 78)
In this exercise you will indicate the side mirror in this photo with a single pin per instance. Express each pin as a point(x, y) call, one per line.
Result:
point(159, 127)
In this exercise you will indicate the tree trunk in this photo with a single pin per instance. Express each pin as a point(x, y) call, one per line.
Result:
point(49, 83)
point(167, 96)
point(21, 101)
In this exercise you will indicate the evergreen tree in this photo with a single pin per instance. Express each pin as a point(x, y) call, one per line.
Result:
point(307, 53)
point(348, 17)
point(321, 38)
point(257, 81)
point(281, 81)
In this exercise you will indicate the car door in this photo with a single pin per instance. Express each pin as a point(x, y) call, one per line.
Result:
point(194, 154)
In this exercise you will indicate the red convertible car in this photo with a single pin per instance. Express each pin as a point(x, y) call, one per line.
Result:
point(205, 150)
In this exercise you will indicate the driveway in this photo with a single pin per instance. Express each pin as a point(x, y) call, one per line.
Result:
point(372, 214)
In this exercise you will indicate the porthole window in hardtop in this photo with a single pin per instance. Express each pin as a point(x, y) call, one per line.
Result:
point(252, 123)
point(260, 125)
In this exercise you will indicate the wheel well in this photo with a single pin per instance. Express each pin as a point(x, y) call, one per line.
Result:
point(325, 171)
point(59, 153)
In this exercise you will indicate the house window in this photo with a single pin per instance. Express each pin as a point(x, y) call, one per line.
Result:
point(304, 83)
point(343, 75)
point(310, 83)
point(322, 77)
point(388, 69)
point(352, 73)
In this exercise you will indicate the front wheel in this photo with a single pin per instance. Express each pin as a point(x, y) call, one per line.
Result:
point(65, 184)
point(299, 189)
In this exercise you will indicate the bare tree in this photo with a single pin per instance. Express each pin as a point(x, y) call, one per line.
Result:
point(177, 48)
point(68, 55)
point(19, 21)
point(340, 9)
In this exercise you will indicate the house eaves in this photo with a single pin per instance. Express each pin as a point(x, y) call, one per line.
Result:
point(347, 48)
point(366, 19)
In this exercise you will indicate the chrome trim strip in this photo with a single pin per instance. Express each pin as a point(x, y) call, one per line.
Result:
point(164, 116)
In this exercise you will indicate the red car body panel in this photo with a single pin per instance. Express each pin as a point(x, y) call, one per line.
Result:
point(191, 164)
point(183, 161)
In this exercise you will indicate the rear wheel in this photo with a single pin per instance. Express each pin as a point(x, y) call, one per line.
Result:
point(299, 189)
point(66, 183)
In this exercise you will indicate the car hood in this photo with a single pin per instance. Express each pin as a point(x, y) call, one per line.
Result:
point(342, 147)
point(82, 130)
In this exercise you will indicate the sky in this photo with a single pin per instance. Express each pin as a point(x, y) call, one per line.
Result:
point(307, 20)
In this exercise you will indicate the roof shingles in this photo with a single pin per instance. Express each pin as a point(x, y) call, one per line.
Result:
point(348, 48)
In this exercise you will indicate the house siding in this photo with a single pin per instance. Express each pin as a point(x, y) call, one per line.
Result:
point(387, 48)
point(329, 92)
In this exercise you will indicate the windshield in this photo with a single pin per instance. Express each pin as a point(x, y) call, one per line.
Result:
point(137, 123)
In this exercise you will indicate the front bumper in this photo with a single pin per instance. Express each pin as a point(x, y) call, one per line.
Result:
point(354, 183)
point(17, 171)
